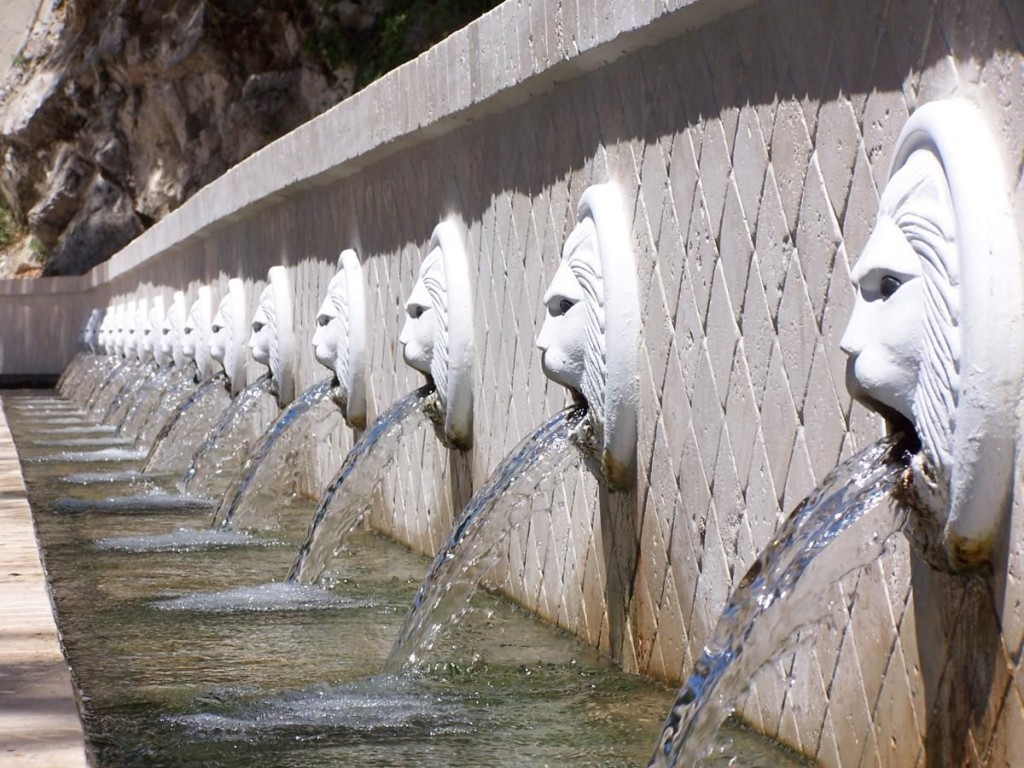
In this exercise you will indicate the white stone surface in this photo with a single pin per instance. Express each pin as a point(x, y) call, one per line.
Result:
point(339, 342)
point(590, 335)
point(229, 333)
point(941, 270)
point(750, 144)
point(272, 341)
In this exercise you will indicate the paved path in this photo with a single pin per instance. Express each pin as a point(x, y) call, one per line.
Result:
point(39, 722)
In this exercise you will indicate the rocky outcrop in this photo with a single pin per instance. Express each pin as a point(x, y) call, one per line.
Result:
point(116, 111)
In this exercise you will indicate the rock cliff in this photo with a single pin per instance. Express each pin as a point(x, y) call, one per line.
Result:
point(116, 111)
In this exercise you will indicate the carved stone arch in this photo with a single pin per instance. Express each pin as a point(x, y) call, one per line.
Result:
point(591, 334)
point(454, 338)
point(346, 302)
point(991, 364)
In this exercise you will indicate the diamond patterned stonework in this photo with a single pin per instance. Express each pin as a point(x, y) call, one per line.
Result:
point(750, 149)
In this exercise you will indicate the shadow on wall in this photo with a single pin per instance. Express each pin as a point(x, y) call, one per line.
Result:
point(37, 340)
point(644, 116)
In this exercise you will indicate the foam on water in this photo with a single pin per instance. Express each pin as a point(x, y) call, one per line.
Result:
point(46, 406)
point(143, 502)
point(275, 596)
point(382, 704)
point(182, 540)
point(87, 457)
point(69, 421)
point(89, 478)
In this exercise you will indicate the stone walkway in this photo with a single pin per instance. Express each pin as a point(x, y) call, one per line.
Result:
point(39, 721)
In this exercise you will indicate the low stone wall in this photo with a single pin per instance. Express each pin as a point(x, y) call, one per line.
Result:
point(751, 141)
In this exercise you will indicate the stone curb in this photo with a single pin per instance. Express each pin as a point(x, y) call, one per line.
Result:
point(39, 719)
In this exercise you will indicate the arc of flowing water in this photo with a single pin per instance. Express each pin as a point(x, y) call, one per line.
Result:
point(180, 387)
point(136, 385)
point(200, 395)
point(353, 486)
point(100, 398)
point(471, 547)
point(144, 400)
point(783, 591)
point(244, 478)
point(248, 399)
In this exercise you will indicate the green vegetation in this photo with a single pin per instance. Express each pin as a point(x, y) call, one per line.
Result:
point(10, 228)
point(40, 251)
point(403, 30)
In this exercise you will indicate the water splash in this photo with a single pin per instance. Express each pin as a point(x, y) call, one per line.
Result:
point(71, 419)
point(784, 592)
point(347, 497)
point(226, 444)
point(272, 597)
point(182, 540)
point(87, 457)
point(73, 427)
point(395, 706)
point(180, 435)
point(273, 452)
point(471, 550)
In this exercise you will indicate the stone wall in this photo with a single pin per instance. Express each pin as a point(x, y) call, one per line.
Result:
point(751, 141)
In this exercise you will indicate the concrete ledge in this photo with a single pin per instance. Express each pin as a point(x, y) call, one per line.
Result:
point(39, 719)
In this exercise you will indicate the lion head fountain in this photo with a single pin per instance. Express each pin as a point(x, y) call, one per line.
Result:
point(228, 334)
point(437, 338)
point(195, 334)
point(590, 335)
point(936, 337)
point(339, 342)
point(272, 342)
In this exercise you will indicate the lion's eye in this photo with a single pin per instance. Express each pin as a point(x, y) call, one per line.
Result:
point(558, 306)
point(889, 285)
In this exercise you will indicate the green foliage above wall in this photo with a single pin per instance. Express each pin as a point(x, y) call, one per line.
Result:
point(401, 31)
